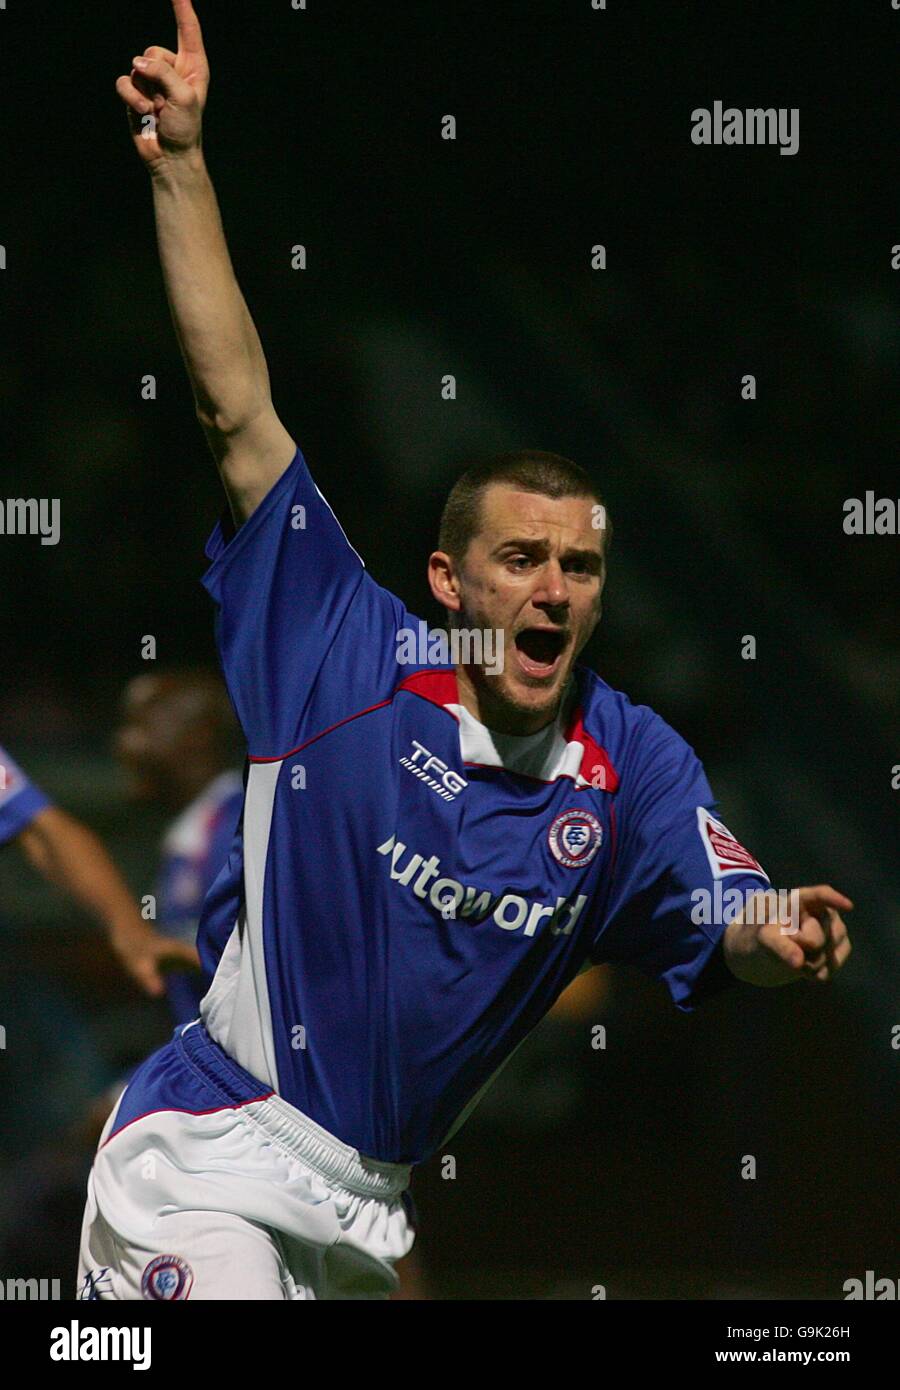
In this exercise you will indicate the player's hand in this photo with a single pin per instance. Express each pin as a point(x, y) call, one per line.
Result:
point(147, 955)
point(763, 948)
point(165, 98)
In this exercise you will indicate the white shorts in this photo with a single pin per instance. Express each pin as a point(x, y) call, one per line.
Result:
point(244, 1198)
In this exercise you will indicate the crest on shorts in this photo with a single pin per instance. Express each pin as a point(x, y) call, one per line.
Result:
point(167, 1278)
point(574, 838)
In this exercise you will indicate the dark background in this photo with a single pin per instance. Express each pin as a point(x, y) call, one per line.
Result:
point(473, 257)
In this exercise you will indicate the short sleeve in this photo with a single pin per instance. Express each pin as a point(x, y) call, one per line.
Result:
point(20, 799)
point(679, 875)
point(305, 636)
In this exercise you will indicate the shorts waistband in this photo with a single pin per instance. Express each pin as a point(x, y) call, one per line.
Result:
point(287, 1126)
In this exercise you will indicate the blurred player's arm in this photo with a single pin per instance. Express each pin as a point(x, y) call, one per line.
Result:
point(71, 857)
point(219, 342)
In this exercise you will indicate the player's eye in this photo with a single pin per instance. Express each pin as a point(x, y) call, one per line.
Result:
point(518, 561)
point(586, 568)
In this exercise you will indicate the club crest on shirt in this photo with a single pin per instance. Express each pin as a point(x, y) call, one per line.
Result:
point(574, 838)
point(167, 1278)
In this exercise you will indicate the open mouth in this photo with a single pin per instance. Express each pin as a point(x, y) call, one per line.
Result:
point(539, 650)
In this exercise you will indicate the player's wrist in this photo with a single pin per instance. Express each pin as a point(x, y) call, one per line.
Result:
point(128, 930)
point(189, 166)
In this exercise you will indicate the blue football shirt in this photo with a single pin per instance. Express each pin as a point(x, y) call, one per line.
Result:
point(409, 892)
point(20, 799)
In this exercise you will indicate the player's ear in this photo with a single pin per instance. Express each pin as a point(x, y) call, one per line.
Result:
point(444, 580)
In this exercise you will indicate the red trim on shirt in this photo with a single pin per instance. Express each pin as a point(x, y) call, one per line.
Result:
point(279, 757)
point(437, 686)
point(440, 688)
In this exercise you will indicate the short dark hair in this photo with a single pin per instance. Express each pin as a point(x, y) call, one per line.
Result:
point(530, 470)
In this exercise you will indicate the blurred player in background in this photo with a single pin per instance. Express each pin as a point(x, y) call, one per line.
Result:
point(179, 743)
point(44, 1191)
point(71, 857)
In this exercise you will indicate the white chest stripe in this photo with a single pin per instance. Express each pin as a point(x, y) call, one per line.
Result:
point(236, 1010)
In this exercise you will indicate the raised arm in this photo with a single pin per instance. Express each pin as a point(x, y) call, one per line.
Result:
point(165, 95)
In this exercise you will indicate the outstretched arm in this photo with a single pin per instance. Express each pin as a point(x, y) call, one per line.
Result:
point(70, 856)
point(165, 95)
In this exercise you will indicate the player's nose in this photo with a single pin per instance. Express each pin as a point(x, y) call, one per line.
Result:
point(552, 590)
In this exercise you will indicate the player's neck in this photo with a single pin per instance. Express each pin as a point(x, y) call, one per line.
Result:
point(499, 716)
point(188, 787)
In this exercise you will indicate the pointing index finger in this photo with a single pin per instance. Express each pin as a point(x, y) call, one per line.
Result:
point(823, 895)
point(190, 39)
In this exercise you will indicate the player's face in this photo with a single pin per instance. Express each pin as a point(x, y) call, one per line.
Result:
point(149, 741)
point(535, 571)
point(144, 750)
